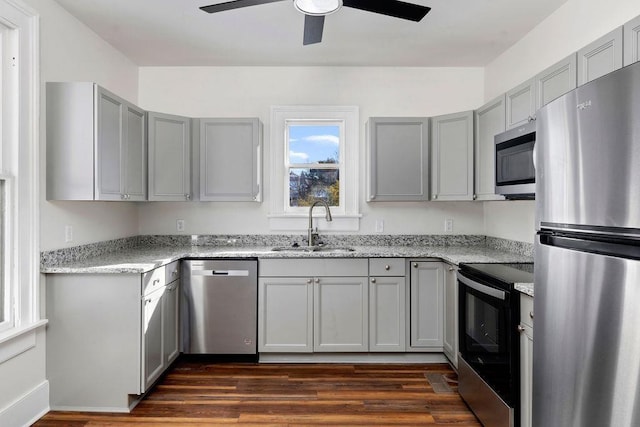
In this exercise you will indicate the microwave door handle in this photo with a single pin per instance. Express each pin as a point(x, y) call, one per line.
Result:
point(535, 150)
point(496, 293)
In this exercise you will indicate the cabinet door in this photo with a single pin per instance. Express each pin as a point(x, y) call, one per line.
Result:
point(230, 157)
point(171, 322)
point(450, 339)
point(452, 156)
point(489, 120)
point(134, 154)
point(387, 314)
point(600, 57)
point(526, 375)
point(341, 321)
point(109, 145)
point(285, 315)
point(427, 302)
point(169, 157)
point(152, 352)
point(632, 41)
point(521, 104)
point(556, 80)
point(398, 166)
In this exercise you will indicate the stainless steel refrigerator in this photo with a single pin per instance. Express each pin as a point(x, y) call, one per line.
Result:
point(586, 357)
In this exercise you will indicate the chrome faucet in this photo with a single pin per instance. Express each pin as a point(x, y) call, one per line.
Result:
point(311, 237)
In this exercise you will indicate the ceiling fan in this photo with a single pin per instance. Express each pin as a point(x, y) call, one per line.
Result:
point(316, 10)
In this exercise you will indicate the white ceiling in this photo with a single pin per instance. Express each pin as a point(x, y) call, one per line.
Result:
point(176, 32)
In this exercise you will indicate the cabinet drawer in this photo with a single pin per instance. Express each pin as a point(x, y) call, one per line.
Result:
point(313, 267)
point(172, 271)
point(153, 280)
point(526, 310)
point(386, 267)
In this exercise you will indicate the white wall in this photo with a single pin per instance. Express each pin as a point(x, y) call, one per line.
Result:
point(72, 52)
point(251, 91)
point(574, 25)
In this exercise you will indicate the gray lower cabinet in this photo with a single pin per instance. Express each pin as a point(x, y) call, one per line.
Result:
point(285, 315)
point(169, 157)
point(632, 41)
point(520, 104)
point(556, 80)
point(489, 121)
point(387, 302)
point(526, 359)
point(341, 314)
point(230, 159)
point(110, 336)
point(96, 144)
point(397, 159)
point(452, 156)
point(450, 338)
point(426, 304)
point(600, 57)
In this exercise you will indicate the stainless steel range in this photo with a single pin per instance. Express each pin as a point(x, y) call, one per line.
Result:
point(489, 362)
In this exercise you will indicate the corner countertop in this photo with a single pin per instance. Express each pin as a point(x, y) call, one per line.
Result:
point(143, 259)
point(525, 288)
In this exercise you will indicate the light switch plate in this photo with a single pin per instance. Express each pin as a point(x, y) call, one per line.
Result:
point(448, 225)
point(68, 233)
point(379, 225)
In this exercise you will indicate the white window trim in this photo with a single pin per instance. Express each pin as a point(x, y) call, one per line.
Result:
point(23, 167)
point(344, 220)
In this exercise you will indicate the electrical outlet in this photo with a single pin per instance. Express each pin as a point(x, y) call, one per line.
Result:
point(68, 233)
point(379, 225)
point(180, 224)
point(448, 225)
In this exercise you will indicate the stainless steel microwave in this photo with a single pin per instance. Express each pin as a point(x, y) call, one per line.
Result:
point(515, 172)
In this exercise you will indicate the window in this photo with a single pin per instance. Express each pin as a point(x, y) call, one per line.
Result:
point(314, 156)
point(313, 163)
point(19, 128)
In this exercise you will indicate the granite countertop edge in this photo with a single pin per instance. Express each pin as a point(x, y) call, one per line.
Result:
point(141, 260)
point(525, 288)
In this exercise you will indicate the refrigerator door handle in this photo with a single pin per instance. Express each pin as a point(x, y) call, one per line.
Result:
point(611, 247)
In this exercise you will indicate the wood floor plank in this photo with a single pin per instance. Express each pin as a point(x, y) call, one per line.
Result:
point(197, 394)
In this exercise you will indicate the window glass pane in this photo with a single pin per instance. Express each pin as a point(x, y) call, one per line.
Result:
point(308, 185)
point(3, 290)
point(314, 144)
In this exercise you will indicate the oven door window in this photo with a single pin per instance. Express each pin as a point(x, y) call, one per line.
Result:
point(514, 163)
point(484, 326)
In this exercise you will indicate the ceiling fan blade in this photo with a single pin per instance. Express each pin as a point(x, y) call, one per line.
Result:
point(234, 5)
point(313, 26)
point(395, 8)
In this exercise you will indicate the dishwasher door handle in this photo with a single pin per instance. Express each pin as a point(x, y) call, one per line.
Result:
point(220, 273)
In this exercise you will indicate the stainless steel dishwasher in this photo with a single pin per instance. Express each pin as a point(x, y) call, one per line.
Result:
point(219, 306)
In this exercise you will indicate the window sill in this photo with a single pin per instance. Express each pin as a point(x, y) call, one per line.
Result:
point(18, 340)
point(282, 222)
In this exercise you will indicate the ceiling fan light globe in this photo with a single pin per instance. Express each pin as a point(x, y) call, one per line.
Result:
point(317, 7)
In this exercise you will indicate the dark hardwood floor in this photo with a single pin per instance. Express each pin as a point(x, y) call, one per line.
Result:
point(197, 393)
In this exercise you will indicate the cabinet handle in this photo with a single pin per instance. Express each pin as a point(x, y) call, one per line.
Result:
point(155, 282)
point(373, 280)
point(520, 328)
point(450, 268)
point(531, 314)
point(309, 281)
point(187, 196)
point(317, 280)
point(174, 273)
point(435, 197)
point(123, 196)
point(387, 267)
point(372, 197)
point(475, 197)
point(415, 265)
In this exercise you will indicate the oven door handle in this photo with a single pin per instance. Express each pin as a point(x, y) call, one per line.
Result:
point(487, 290)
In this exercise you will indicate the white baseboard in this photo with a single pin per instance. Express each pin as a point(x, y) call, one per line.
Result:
point(27, 409)
point(352, 358)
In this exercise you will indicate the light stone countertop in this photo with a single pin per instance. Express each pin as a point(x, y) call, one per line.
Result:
point(525, 288)
point(143, 259)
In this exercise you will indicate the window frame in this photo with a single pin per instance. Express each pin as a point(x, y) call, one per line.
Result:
point(340, 166)
point(347, 216)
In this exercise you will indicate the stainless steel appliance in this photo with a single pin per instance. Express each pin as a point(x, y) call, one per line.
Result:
point(586, 352)
point(489, 362)
point(220, 306)
point(515, 172)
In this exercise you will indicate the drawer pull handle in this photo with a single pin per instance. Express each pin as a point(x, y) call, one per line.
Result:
point(373, 280)
point(387, 267)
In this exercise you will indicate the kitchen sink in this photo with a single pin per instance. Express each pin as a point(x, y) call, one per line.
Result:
point(330, 249)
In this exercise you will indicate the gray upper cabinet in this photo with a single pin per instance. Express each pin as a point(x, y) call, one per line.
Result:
point(169, 157)
point(96, 144)
point(521, 104)
point(600, 57)
point(489, 121)
point(632, 41)
point(230, 159)
point(398, 159)
point(452, 156)
point(556, 80)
